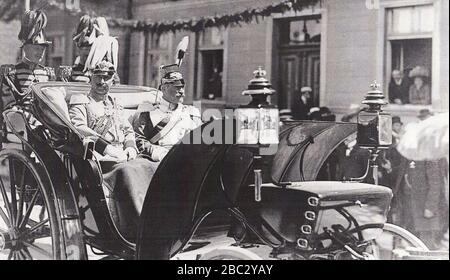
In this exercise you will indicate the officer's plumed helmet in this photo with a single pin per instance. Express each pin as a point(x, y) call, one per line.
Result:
point(171, 75)
point(84, 35)
point(32, 27)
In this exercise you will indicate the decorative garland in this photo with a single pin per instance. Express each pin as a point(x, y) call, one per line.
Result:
point(200, 24)
point(195, 24)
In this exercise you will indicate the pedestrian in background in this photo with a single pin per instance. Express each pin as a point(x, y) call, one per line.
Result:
point(419, 91)
point(302, 104)
point(398, 88)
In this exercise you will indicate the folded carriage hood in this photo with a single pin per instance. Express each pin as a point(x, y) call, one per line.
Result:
point(304, 147)
point(194, 179)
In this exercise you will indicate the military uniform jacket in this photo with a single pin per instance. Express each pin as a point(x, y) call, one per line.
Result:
point(103, 121)
point(157, 124)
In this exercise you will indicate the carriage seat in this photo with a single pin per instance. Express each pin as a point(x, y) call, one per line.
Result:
point(51, 105)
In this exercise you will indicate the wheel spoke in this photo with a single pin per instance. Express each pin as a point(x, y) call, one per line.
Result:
point(23, 222)
point(13, 186)
point(5, 217)
point(5, 197)
point(22, 196)
point(34, 228)
point(10, 255)
point(27, 253)
point(38, 249)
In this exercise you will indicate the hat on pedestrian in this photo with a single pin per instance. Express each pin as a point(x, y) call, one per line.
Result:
point(396, 119)
point(305, 89)
point(419, 71)
point(314, 114)
point(32, 28)
point(326, 114)
point(84, 35)
point(285, 114)
point(424, 113)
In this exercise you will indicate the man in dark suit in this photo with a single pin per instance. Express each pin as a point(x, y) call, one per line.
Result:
point(302, 104)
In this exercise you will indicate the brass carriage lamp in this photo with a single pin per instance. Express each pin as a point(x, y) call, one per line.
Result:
point(374, 126)
point(258, 124)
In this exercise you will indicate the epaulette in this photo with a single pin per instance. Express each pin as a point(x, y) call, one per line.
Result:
point(79, 98)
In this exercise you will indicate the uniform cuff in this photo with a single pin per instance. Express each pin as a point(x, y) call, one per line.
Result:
point(100, 145)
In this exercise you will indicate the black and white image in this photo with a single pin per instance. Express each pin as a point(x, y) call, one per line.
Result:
point(224, 130)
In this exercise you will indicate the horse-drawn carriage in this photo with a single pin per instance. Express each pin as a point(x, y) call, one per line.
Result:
point(53, 204)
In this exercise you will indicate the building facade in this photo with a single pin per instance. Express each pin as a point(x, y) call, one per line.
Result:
point(338, 48)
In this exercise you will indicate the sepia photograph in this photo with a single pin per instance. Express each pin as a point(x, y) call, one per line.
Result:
point(222, 130)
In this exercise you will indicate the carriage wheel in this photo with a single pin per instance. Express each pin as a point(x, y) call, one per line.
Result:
point(29, 227)
point(395, 239)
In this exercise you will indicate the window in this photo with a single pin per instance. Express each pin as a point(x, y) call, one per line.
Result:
point(409, 32)
point(158, 53)
point(72, 4)
point(211, 54)
point(300, 31)
point(212, 63)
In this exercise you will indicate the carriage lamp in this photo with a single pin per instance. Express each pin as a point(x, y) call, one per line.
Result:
point(258, 124)
point(374, 126)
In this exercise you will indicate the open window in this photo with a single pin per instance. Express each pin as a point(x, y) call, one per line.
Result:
point(211, 55)
point(409, 35)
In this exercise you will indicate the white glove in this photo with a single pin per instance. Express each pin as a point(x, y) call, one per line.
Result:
point(131, 153)
point(158, 153)
point(116, 153)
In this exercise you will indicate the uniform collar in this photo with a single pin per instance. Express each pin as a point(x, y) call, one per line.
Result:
point(167, 106)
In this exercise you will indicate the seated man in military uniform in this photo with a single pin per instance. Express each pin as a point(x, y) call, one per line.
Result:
point(163, 124)
point(126, 178)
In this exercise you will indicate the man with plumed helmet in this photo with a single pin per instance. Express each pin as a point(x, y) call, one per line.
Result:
point(98, 116)
point(84, 37)
point(30, 70)
point(16, 79)
point(165, 122)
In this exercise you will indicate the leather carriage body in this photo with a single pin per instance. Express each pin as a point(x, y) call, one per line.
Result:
point(300, 212)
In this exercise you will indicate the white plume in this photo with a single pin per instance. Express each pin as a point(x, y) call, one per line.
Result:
point(103, 47)
point(181, 50)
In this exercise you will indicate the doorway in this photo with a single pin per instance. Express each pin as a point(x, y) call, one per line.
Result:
point(299, 59)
